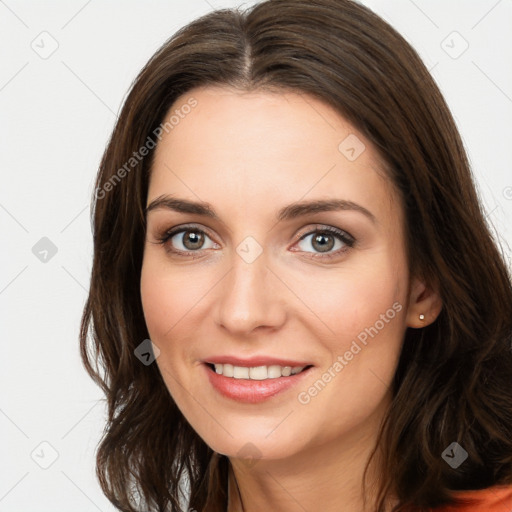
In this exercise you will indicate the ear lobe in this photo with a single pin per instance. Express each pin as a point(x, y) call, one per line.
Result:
point(425, 304)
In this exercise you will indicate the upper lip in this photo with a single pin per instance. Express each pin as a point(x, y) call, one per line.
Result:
point(255, 361)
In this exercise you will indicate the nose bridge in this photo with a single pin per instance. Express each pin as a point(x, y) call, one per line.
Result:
point(248, 298)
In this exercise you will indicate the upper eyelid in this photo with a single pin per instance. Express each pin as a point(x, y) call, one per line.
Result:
point(325, 227)
point(181, 228)
point(316, 227)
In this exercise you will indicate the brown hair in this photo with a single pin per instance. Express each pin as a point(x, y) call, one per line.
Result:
point(452, 382)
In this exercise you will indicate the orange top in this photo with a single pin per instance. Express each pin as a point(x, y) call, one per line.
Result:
point(492, 499)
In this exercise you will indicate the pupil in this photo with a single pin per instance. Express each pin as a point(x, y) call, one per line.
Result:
point(324, 246)
point(193, 239)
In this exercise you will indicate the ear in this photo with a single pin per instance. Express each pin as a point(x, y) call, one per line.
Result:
point(423, 300)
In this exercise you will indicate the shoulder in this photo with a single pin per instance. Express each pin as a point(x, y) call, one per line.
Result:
point(492, 499)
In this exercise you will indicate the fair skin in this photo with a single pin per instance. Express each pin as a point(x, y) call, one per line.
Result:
point(248, 156)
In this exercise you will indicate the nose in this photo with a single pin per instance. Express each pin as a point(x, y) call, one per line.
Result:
point(251, 298)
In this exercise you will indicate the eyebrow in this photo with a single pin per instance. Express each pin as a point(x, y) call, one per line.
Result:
point(291, 211)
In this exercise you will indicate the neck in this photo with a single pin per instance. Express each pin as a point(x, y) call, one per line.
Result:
point(330, 474)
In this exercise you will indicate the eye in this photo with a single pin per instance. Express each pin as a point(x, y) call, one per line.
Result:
point(186, 239)
point(326, 241)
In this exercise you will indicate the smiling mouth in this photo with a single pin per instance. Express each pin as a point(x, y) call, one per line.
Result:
point(256, 372)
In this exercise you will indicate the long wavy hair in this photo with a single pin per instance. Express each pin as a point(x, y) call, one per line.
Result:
point(453, 379)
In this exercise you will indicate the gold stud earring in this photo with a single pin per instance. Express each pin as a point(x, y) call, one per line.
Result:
point(422, 317)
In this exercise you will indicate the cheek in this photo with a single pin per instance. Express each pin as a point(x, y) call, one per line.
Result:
point(167, 296)
point(354, 299)
point(168, 300)
point(157, 303)
point(366, 315)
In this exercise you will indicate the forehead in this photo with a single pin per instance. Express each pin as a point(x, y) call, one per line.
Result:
point(268, 146)
point(243, 123)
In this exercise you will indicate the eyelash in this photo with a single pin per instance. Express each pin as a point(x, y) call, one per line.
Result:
point(345, 237)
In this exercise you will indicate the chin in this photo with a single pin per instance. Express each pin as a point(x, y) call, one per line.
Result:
point(257, 445)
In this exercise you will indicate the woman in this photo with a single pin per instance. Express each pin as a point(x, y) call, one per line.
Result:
point(285, 209)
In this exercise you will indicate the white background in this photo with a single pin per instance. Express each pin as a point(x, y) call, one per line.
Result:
point(56, 115)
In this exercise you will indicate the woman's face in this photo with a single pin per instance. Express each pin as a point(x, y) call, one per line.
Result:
point(264, 279)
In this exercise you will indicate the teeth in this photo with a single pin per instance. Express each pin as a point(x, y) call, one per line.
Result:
point(227, 369)
point(274, 371)
point(257, 372)
point(240, 372)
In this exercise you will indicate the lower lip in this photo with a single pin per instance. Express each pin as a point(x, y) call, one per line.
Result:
point(252, 391)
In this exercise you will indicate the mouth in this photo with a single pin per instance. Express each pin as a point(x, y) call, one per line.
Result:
point(262, 372)
point(254, 384)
